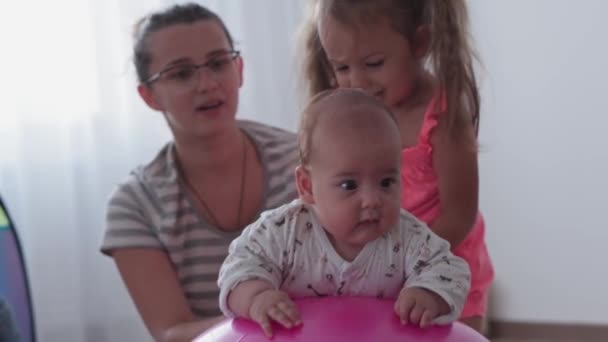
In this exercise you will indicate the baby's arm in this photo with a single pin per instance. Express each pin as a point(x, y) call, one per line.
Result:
point(431, 266)
point(242, 296)
point(258, 301)
point(254, 261)
point(252, 274)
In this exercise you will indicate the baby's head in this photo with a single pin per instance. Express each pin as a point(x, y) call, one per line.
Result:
point(350, 152)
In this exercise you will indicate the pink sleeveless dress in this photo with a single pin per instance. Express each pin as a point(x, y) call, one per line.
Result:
point(420, 196)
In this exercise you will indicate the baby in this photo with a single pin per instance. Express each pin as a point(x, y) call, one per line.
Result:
point(346, 235)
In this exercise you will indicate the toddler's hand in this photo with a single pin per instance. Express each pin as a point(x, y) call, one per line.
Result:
point(419, 306)
point(274, 305)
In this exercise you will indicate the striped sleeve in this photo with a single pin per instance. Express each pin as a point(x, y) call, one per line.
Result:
point(128, 218)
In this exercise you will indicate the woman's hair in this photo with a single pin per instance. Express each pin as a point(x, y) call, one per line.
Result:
point(322, 104)
point(177, 14)
point(450, 56)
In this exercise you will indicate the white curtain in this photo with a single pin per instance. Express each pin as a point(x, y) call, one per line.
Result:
point(72, 125)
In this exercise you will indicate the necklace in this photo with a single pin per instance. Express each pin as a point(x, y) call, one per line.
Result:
point(199, 198)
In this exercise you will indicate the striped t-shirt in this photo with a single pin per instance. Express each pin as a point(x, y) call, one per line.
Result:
point(150, 209)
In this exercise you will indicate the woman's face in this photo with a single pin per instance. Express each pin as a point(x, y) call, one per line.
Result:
point(195, 78)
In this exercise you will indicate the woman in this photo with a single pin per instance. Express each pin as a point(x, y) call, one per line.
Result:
point(170, 222)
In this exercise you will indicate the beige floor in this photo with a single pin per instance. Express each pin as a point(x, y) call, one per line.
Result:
point(541, 340)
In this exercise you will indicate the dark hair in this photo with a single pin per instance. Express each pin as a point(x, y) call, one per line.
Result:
point(450, 56)
point(177, 14)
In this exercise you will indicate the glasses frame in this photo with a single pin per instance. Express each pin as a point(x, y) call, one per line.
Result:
point(234, 54)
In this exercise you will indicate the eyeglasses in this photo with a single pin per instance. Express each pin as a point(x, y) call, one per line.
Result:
point(186, 74)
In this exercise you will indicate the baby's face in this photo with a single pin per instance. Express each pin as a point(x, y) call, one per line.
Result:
point(355, 175)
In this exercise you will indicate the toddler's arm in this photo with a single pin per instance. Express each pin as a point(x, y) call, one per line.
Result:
point(455, 162)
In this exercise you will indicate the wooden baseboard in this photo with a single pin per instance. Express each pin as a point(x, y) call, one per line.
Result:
point(549, 331)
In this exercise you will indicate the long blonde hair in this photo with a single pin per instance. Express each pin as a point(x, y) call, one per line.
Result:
point(450, 57)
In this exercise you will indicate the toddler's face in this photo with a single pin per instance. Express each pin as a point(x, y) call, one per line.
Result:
point(377, 59)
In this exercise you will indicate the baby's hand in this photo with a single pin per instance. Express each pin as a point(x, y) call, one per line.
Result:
point(274, 305)
point(419, 306)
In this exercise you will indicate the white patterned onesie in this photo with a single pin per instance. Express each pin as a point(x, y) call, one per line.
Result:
point(288, 248)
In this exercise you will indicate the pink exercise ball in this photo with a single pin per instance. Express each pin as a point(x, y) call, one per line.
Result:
point(338, 319)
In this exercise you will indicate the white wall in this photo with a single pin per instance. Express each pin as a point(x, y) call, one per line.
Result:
point(72, 127)
point(544, 158)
